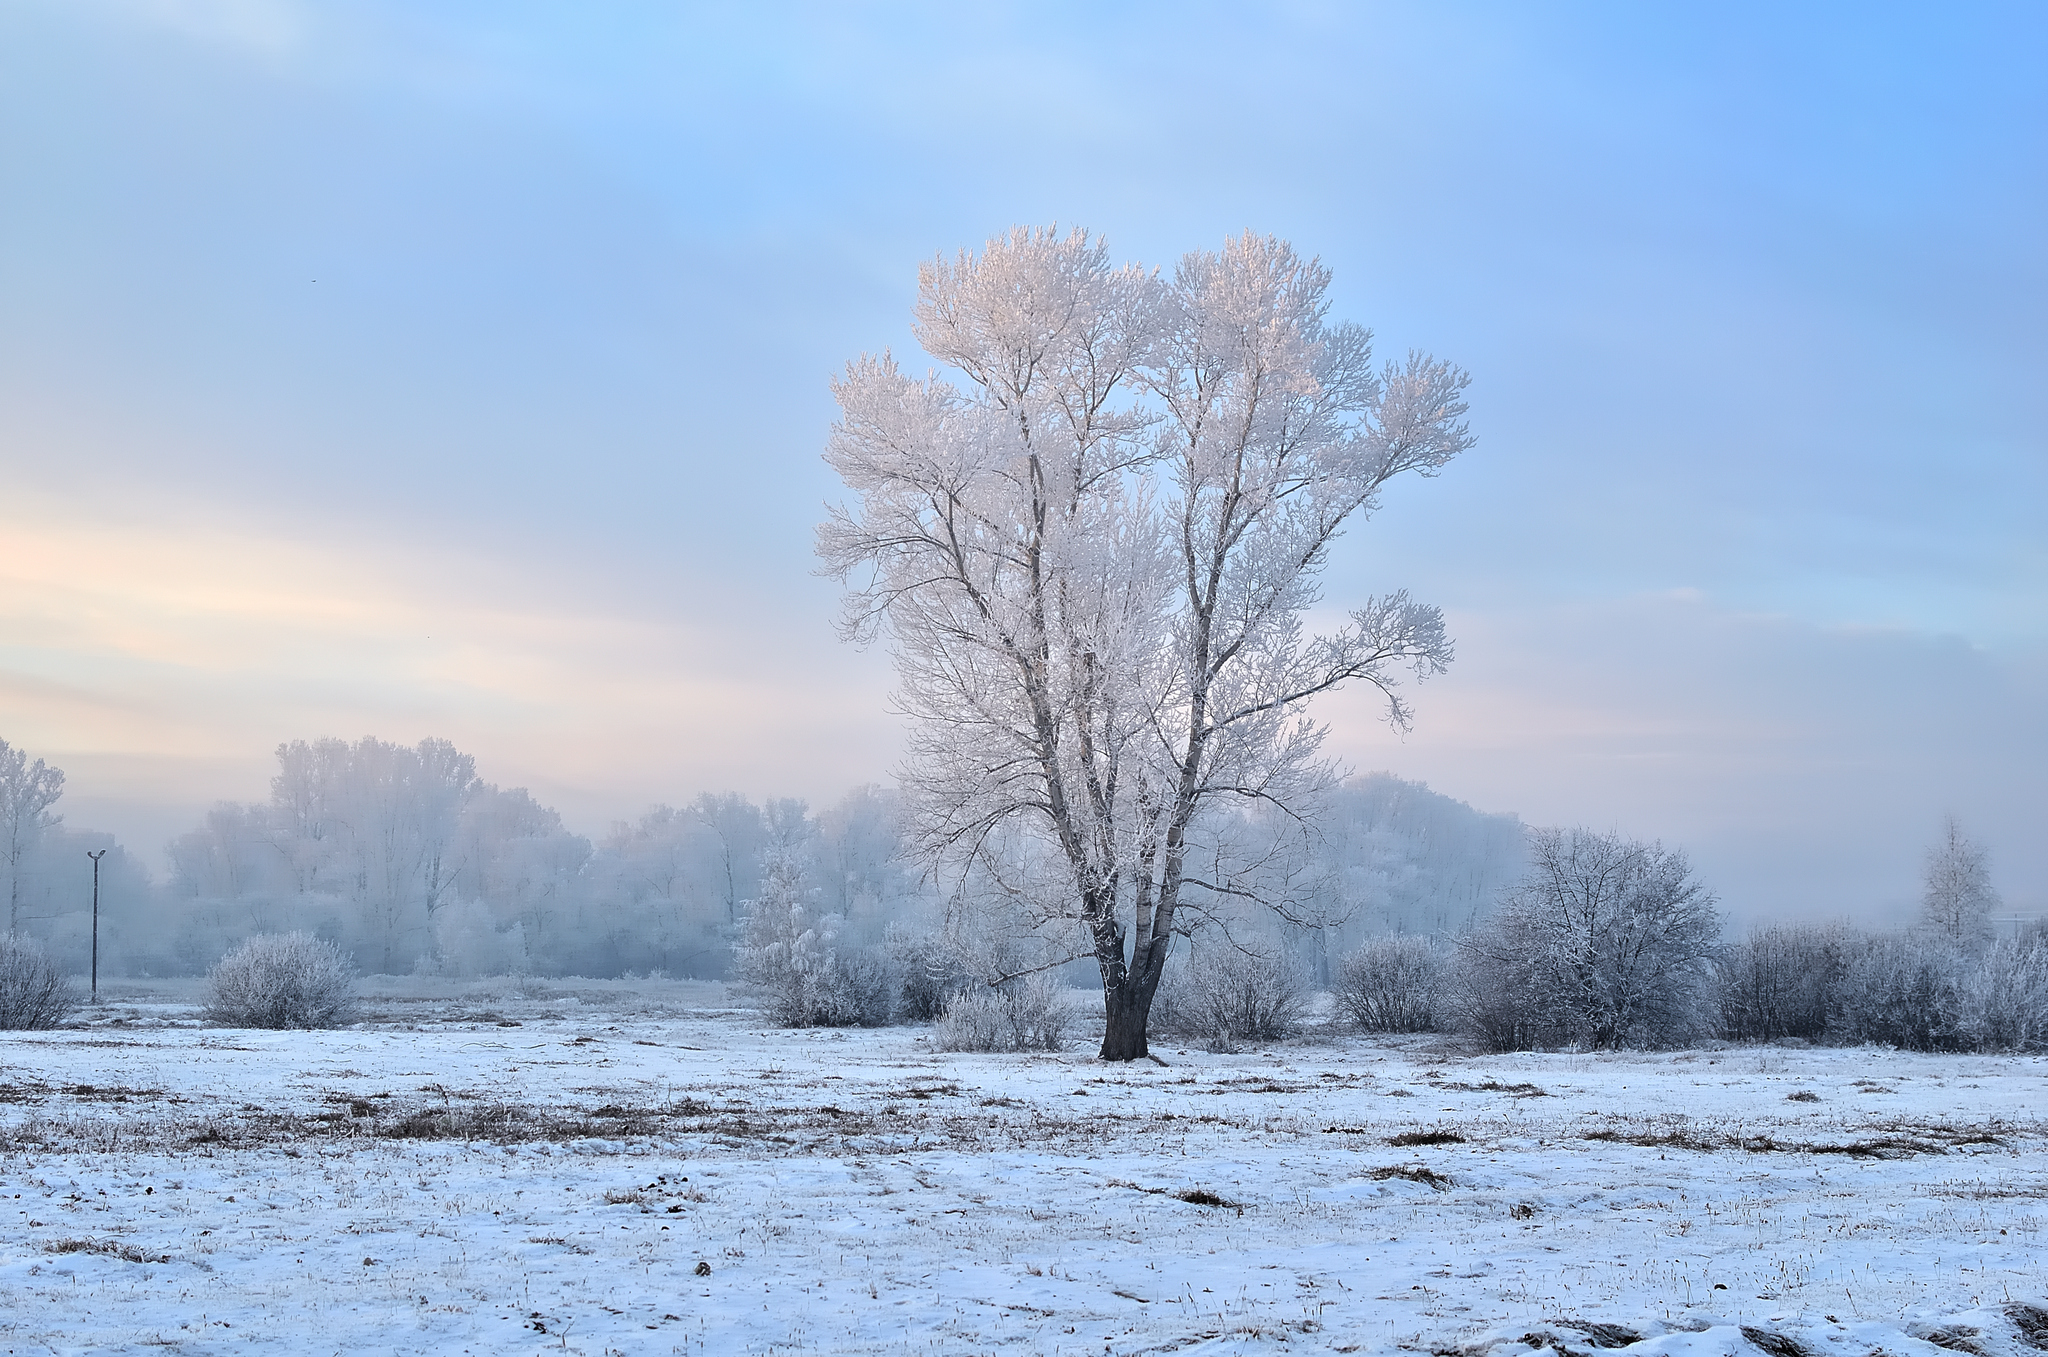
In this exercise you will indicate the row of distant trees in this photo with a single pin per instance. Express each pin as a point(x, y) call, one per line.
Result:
point(1606, 943)
point(45, 876)
point(1434, 917)
point(409, 860)
point(1600, 943)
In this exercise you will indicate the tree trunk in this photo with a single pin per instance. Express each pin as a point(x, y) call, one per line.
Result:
point(1126, 1008)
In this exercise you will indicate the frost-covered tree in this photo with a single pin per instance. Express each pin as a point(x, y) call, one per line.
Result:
point(1604, 943)
point(371, 843)
point(518, 882)
point(27, 791)
point(739, 829)
point(860, 868)
point(1958, 898)
point(668, 882)
point(1093, 554)
point(379, 823)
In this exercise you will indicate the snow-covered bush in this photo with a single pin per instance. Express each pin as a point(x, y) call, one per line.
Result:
point(2007, 1005)
point(860, 989)
point(1781, 981)
point(1918, 989)
point(814, 984)
point(1492, 992)
point(1605, 943)
point(1227, 993)
point(1025, 1014)
point(283, 980)
point(929, 969)
point(794, 957)
point(34, 995)
point(1921, 990)
point(1390, 984)
point(1171, 1014)
point(1908, 990)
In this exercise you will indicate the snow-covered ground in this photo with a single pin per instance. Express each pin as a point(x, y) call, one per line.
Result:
point(642, 1168)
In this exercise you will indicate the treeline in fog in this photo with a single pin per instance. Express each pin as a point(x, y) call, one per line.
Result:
point(1605, 943)
point(1413, 910)
point(409, 861)
point(45, 872)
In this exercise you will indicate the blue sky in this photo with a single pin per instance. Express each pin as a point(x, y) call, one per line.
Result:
point(461, 370)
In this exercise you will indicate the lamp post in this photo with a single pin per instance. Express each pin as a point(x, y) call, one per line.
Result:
point(95, 855)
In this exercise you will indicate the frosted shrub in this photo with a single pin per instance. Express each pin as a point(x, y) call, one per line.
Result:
point(1171, 1012)
point(1229, 994)
point(1493, 993)
point(1906, 990)
point(1605, 943)
point(813, 984)
point(1916, 989)
point(1025, 1014)
point(860, 990)
point(2007, 1006)
point(1781, 981)
point(930, 972)
point(794, 958)
point(283, 980)
point(33, 994)
point(1390, 985)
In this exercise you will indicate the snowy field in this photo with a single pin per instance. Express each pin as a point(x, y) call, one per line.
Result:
point(632, 1168)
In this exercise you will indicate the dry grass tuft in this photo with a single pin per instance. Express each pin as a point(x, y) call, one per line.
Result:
point(112, 1248)
point(1202, 1196)
point(1426, 1138)
point(1954, 1337)
point(2030, 1323)
point(1777, 1344)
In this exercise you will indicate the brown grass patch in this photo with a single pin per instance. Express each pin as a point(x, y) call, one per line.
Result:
point(2030, 1324)
point(111, 1248)
point(1426, 1138)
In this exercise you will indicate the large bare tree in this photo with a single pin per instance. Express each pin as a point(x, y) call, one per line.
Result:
point(1093, 555)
